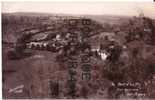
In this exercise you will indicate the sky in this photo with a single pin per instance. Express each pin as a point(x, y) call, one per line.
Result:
point(94, 8)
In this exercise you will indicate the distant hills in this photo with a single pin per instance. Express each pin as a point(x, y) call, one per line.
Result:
point(99, 18)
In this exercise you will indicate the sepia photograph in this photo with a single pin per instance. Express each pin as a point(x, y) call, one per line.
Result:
point(78, 50)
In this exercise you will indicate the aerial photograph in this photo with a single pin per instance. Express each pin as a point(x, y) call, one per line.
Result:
point(78, 50)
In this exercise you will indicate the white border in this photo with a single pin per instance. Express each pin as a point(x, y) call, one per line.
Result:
point(0, 55)
point(51, 1)
point(81, 0)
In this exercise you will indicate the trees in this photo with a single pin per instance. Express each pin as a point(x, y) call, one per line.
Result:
point(139, 28)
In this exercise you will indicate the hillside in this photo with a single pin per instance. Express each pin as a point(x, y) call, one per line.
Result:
point(37, 51)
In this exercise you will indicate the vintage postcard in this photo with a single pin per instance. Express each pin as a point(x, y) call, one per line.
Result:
point(78, 50)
